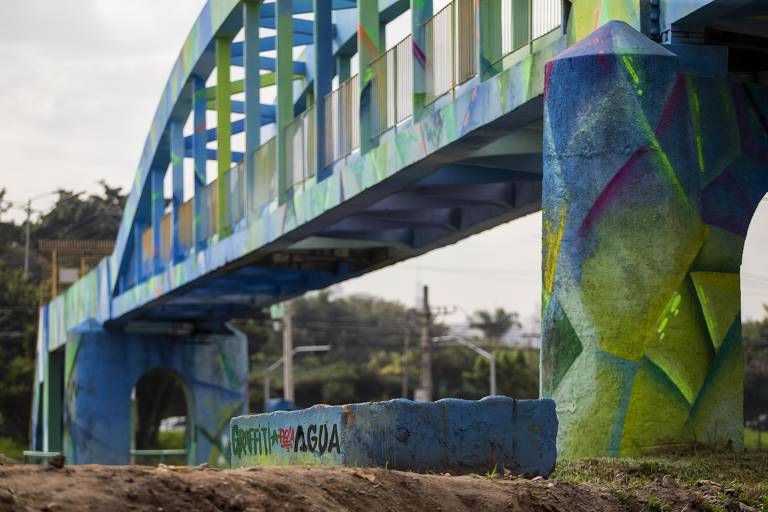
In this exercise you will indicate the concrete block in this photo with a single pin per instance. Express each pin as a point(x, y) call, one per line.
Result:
point(450, 435)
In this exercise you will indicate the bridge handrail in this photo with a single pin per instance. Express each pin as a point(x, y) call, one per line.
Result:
point(450, 48)
point(393, 86)
point(300, 159)
point(342, 121)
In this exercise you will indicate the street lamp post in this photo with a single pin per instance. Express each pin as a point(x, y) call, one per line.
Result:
point(274, 366)
point(481, 352)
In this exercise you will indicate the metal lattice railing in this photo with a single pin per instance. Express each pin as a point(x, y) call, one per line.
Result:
point(264, 181)
point(450, 48)
point(523, 21)
point(392, 87)
point(342, 121)
point(301, 137)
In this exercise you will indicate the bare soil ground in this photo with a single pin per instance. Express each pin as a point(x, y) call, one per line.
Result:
point(580, 486)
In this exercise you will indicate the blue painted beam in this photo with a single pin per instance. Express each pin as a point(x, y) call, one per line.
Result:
point(238, 126)
point(299, 25)
point(270, 64)
point(267, 111)
point(237, 156)
point(304, 7)
point(457, 436)
point(268, 43)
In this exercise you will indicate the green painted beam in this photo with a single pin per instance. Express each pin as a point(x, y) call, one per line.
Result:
point(284, 90)
point(223, 129)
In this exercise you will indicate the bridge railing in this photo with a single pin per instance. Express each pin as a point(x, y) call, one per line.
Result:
point(342, 121)
point(392, 87)
point(524, 21)
point(300, 159)
point(451, 48)
point(264, 180)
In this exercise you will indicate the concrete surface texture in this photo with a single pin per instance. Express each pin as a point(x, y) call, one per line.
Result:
point(450, 435)
point(102, 369)
point(651, 177)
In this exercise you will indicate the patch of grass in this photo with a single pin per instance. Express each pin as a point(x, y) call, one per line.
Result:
point(171, 440)
point(654, 504)
point(753, 442)
point(12, 448)
point(747, 473)
point(491, 474)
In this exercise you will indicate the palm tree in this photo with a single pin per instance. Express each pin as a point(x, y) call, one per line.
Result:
point(494, 324)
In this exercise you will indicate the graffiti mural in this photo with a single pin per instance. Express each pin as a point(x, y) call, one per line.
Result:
point(651, 178)
point(447, 435)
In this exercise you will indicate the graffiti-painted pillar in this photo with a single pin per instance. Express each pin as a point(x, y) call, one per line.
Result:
point(199, 155)
point(101, 369)
point(223, 129)
point(285, 108)
point(251, 48)
point(177, 182)
point(489, 49)
point(368, 48)
point(421, 11)
point(323, 39)
point(651, 177)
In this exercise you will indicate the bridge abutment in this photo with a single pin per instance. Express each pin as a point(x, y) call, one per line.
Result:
point(651, 177)
point(103, 369)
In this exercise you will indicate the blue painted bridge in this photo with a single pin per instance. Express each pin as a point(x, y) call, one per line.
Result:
point(272, 168)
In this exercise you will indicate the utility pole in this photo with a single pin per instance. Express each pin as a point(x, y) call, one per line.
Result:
point(406, 349)
point(26, 243)
point(288, 392)
point(426, 350)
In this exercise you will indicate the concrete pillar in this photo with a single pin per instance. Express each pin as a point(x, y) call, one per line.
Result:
point(421, 11)
point(323, 39)
point(200, 156)
point(284, 91)
point(103, 367)
point(651, 177)
point(251, 11)
point(223, 129)
point(368, 48)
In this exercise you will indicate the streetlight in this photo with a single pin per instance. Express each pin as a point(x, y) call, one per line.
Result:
point(269, 369)
point(482, 353)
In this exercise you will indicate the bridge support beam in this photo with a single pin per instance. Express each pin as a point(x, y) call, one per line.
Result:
point(157, 207)
point(421, 11)
point(223, 129)
point(285, 109)
point(323, 40)
point(489, 47)
point(651, 177)
point(253, 120)
point(177, 182)
point(102, 369)
point(368, 48)
point(200, 156)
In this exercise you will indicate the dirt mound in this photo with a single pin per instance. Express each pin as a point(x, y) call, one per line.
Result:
point(168, 489)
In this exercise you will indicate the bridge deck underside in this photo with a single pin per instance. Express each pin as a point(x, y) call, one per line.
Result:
point(450, 203)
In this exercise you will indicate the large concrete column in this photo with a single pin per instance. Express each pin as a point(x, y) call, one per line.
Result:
point(650, 180)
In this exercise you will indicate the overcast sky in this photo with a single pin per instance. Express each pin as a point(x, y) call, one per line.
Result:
point(80, 82)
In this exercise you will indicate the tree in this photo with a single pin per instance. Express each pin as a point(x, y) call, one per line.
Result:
point(496, 324)
point(756, 330)
point(18, 313)
point(96, 217)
